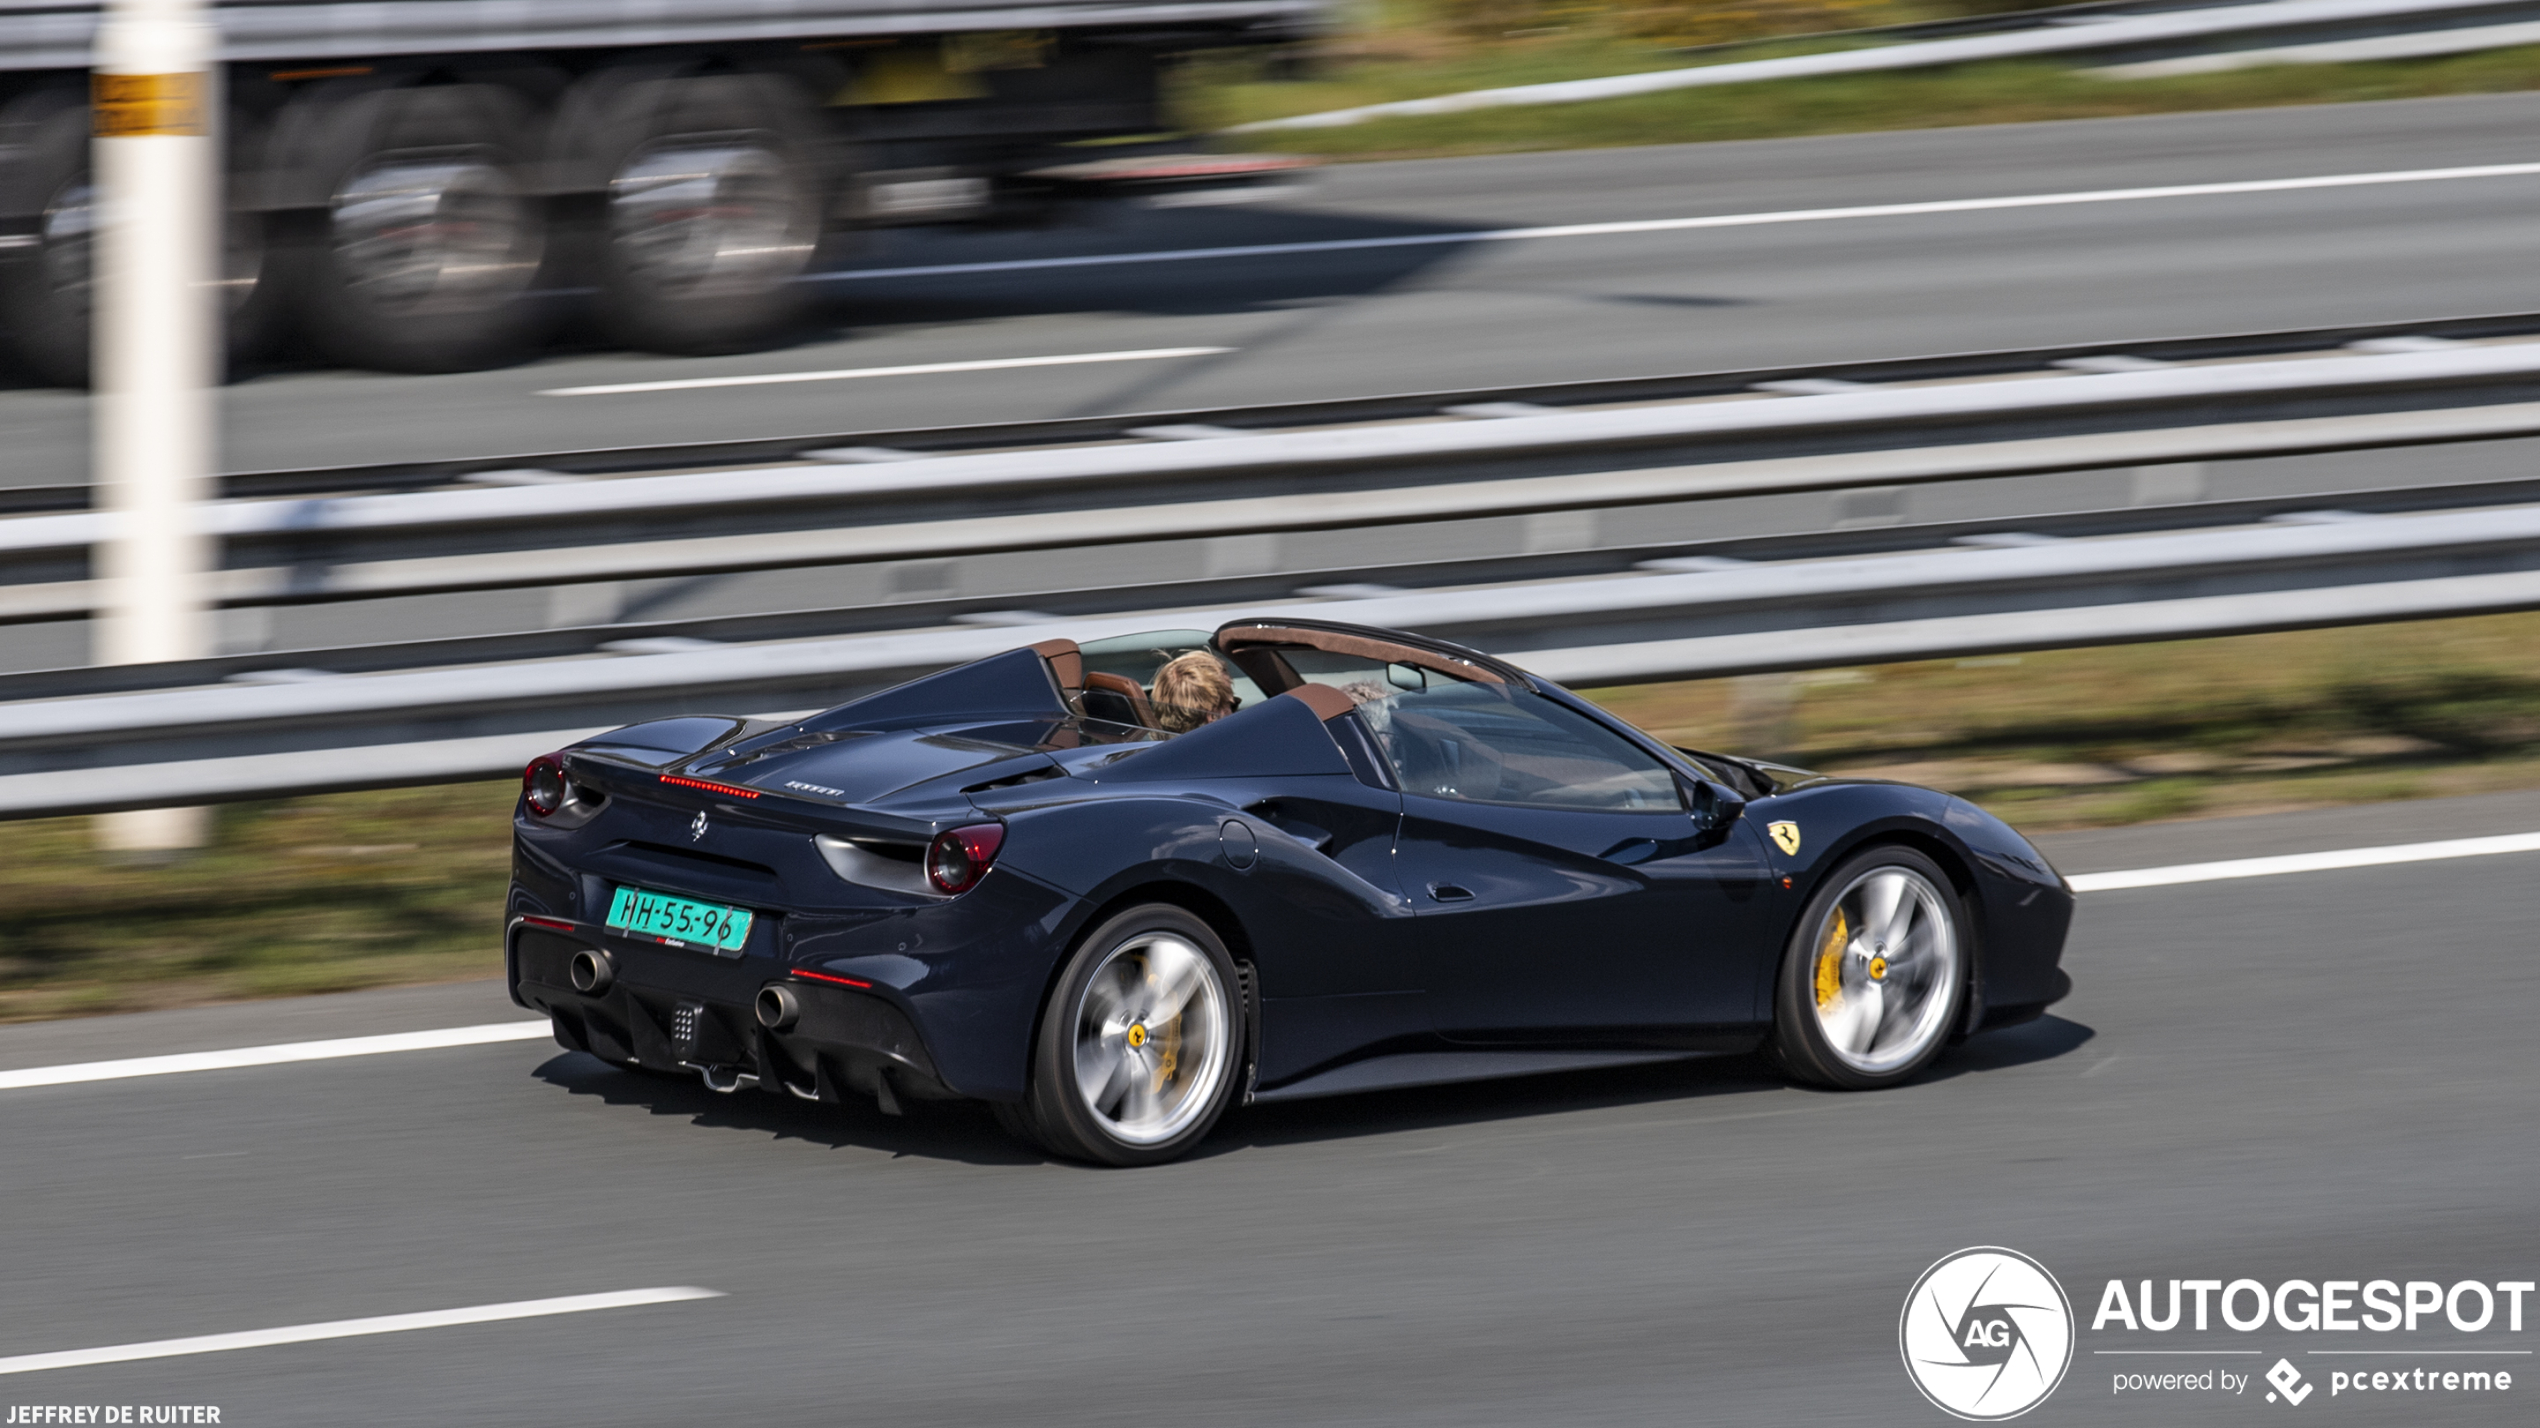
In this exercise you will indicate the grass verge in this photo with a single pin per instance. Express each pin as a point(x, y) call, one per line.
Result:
point(292, 897)
point(1213, 97)
point(2141, 733)
point(372, 889)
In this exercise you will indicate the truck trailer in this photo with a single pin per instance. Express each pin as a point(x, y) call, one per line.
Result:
point(432, 185)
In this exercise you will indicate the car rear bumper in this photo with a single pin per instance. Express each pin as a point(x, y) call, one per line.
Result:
point(672, 1010)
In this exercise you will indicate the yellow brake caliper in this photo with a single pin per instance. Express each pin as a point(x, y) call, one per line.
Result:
point(1830, 959)
point(1168, 1044)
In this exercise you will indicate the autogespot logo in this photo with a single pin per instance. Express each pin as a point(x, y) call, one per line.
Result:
point(1987, 1334)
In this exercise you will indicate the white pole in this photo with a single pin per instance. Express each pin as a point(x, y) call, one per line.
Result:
point(155, 98)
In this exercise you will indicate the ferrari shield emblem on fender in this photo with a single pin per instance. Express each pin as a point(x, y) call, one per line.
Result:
point(1785, 837)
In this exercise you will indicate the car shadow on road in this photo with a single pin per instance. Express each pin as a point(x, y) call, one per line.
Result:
point(962, 1131)
point(966, 1132)
point(1727, 1079)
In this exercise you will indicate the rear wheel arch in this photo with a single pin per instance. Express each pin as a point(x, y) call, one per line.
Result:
point(1190, 897)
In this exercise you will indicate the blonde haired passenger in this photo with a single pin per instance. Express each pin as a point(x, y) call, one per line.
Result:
point(1191, 691)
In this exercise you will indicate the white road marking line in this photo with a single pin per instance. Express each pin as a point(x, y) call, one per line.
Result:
point(353, 1328)
point(2307, 862)
point(917, 369)
point(274, 1055)
point(1680, 225)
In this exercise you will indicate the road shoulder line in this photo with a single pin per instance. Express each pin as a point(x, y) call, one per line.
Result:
point(353, 1328)
point(2282, 864)
point(274, 1055)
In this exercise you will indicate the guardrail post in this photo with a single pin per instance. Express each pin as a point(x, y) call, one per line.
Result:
point(154, 100)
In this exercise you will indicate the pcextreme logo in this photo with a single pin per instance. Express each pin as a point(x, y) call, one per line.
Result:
point(1986, 1334)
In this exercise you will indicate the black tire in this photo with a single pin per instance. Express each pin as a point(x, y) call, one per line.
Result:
point(422, 239)
point(1152, 951)
point(257, 312)
point(45, 305)
point(44, 208)
point(1831, 1020)
point(669, 279)
point(1015, 1119)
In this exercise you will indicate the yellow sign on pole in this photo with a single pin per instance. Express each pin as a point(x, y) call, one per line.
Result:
point(133, 106)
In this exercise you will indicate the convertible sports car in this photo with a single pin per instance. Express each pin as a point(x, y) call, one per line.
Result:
point(1396, 862)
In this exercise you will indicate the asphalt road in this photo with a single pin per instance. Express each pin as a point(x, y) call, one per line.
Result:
point(2316, 1076)
point(1459, 315)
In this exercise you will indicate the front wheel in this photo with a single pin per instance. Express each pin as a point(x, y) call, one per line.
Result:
point(1137, 1053)
point(1875, 974)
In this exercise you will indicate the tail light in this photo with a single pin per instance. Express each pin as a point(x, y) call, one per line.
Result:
point(543, 785)
point(956, 861)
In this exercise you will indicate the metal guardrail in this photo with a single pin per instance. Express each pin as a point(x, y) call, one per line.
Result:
point(972, 439)
point(98, 751)
point(1331, 411)
point(298, 551)
point(239, 741)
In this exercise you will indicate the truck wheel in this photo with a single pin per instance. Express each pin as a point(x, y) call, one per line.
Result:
point(46, 249)
point(46, 215)
point(712, 207)
point(423, 256)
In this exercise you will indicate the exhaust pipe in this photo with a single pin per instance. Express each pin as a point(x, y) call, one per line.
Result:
point(778, 1008)
point(593, 972)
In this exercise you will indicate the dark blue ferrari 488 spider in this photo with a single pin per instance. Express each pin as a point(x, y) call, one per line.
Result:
point(1114, 889)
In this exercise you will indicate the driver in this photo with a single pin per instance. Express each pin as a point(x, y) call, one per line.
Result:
point(1192, 690)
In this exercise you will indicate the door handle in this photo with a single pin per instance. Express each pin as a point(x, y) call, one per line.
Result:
point(1449, 892)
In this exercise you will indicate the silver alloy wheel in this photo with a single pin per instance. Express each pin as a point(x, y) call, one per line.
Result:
point(727, 217)
point(1153, 1043)
point(1884, 970)
point(67, 247)
point(68, 239)
point(435, 235)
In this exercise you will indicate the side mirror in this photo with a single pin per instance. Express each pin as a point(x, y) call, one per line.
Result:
point(1713, 807)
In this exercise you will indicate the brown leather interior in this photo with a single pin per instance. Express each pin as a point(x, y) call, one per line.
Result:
point(1235, 638)
point(1066, 662)
point(1323, 699)
point(1096, 681)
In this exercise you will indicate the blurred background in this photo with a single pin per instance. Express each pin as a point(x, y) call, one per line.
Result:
point(2120, 414)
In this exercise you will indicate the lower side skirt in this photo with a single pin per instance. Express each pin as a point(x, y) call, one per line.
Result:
point(1439, 1068)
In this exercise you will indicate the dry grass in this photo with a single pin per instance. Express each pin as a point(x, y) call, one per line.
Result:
point(308, 895)
point(1229, 89)
point(2073, 738)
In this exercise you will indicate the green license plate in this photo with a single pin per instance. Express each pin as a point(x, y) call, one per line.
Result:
point(679, 919)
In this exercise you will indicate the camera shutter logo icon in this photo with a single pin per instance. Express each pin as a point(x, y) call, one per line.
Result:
point(1987, 1334)
point(2288, 1381)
